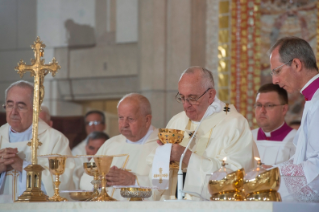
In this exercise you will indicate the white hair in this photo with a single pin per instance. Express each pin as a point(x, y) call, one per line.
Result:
point(45, 109)
point(21, 84)
point(145, 106)
point(206, 75)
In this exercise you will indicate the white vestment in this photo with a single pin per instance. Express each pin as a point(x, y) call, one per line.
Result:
point(78, 170)
point(53, 142)
point(220, 135)
point(273, 151)
point(136, 162)
point(301, 174)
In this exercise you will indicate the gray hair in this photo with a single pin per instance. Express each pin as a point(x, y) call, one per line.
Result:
point(206, 75)
point(97, 135)
point(294, 47)
point(21, 84)
point(145, 106)
point(45, 109)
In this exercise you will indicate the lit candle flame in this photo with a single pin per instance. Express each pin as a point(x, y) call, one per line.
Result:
point(225, 158)
point(257, 158)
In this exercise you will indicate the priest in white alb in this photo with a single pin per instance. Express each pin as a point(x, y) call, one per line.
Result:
point(223, 133)
point(137, 139)
point(15, 154)
point(274, 138)
point(294, 68)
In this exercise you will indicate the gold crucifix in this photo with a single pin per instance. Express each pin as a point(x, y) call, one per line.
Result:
point(38, 70)
point(160, 175)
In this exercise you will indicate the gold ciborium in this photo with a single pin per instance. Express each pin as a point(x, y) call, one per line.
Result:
point(264, 186)
point(91, 169)
point(136, 194)
point(57, 167)
point(103, 164)
point(228, 188)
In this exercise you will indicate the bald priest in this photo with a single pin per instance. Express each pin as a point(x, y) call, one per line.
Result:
point(138, 138)
point(15, 154)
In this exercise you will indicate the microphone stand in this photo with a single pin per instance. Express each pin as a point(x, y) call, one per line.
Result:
point(180, 180)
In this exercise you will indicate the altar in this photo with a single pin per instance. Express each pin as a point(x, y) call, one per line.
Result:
point(161, 206)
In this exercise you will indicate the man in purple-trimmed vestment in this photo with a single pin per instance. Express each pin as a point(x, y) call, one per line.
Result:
point(294, 68)
point(274, 138)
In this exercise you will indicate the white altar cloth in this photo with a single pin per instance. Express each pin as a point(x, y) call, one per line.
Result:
point(123, 206)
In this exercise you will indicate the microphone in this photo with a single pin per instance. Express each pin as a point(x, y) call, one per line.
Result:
point(180, 179)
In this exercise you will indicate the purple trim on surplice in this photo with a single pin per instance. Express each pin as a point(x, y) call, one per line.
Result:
point(277, 135)
point(310, 90)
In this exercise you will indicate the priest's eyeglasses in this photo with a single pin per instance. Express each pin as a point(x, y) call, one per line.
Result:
point(93, 123)
point(266, 106)
point(190, 100)
point(277, 70)
point(19, 107)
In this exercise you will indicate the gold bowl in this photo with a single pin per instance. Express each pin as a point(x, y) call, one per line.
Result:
point(172, 136)
point(264, 187)
point(136, 194)
point(228, 188)
point(81, 195)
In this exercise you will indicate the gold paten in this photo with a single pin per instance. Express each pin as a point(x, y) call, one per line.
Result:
point(103, 164)
point(38, 70)
point(80, 195)
point(136, 194)
point(57, 167)
point(91, 169)
point(264, 187)
point(229, 188)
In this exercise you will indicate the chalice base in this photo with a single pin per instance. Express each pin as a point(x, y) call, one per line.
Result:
point(228, 196)
point(264, 196)
point(57, 198)
point(136, 199)
point(94, 195)
point(103, 198)
point(33, 196)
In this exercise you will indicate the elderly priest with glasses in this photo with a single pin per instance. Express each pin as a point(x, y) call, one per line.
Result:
point(223, 133)
point(15, 154)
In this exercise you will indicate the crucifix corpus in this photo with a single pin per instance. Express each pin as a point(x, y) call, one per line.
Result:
point(37, 70)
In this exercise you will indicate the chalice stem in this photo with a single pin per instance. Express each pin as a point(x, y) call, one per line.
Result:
point(57, 184)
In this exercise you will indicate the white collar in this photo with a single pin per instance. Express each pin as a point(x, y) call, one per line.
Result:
point(144, 139)
point(268, 134)
point(309, 82)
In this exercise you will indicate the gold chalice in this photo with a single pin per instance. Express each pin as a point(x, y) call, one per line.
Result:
point(103, 164)
point(229, 188)
point(91, 169)
point(57, 167)
point(172, 136)
point(263, 187)
point(136, 194)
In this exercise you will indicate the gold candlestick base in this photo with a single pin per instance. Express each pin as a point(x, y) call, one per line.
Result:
point(103, 198)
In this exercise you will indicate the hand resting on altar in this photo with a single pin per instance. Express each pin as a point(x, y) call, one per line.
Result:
point(10, 160)
point(118, 176)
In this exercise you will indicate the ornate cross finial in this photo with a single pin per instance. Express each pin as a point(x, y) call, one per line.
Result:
point(160, 175)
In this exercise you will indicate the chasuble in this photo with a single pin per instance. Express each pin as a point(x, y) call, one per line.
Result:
point(136, 161)
point(53, 142)
point(277, 147)
point(225, 133)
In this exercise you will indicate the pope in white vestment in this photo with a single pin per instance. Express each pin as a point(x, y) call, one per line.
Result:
point(13, 183)
point(276, 146)
point(223, 133)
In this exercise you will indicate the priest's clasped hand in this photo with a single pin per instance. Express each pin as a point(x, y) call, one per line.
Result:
point(176, 153)
point(10, 160)
point(118, 176)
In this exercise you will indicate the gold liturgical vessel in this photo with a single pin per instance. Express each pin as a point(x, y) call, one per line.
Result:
point(103, 164)
point(136, 194)
point(57, 167)
point(91, 169)
point(261, 184)
point(38, 70)
point(226, 185)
